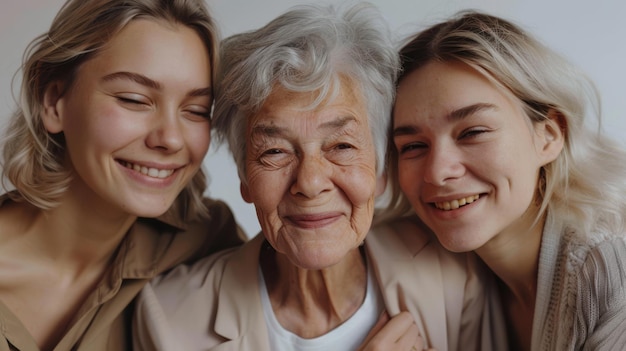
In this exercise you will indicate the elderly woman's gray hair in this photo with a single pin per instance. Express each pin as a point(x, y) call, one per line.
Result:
point(310, 48)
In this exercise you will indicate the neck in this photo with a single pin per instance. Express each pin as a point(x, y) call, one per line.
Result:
point(76, 235)
point(310, 303)
point(513, 256)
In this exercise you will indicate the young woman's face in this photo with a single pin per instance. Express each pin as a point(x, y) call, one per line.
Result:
point(312, 175)
point(468, 156)
point(136, 118)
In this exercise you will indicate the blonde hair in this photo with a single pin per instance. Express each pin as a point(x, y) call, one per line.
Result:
point(33, 158)
point(585, 185)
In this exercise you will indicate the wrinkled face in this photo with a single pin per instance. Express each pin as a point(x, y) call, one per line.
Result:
point(311, 174)
point(468, 155)
point(136, 118)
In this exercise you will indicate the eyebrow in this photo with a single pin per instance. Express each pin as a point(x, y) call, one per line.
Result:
point(455, 115)
point(273, 131)
point(150, 83)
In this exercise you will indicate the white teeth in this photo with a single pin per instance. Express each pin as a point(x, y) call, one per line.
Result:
point(454, 204)
point(150, 172)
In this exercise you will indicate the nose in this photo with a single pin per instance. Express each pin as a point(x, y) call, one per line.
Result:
point(443, 164)
point(166, 132)
point(312, 177)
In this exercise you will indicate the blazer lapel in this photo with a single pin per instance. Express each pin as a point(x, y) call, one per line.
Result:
point(408, 268)
point(240, 314)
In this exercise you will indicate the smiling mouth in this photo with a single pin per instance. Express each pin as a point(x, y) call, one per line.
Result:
point(148, 171)
point(313, 221)
point(455, 204)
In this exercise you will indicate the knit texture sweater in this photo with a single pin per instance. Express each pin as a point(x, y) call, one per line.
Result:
point(581, 290)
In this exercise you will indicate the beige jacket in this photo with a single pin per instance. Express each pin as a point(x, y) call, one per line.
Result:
point(151, 247)
point(215, 304)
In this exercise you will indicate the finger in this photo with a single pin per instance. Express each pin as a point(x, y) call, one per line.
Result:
point(410, 339)
point(396, 329)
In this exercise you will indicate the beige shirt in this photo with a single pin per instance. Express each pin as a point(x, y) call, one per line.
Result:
point(215, 304)
point(150, 247)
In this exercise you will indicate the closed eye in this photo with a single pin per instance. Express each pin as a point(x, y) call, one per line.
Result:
point(410, 147)
point(472, 133)
point(135, 99)
point(199, 111)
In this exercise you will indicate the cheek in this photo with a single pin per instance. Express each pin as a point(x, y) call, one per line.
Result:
point(100, 127)
point(267, 204)
point(360, 188)
point(198, 139)
point(260, 182)
point(359, 184)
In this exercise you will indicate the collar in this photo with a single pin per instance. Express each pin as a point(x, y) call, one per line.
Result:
point(239, 315)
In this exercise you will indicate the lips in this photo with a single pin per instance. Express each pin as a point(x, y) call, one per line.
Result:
point(148, 171)
point(455, 204)
point(313, 220)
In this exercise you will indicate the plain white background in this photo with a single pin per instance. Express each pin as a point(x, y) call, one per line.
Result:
point(592, 34)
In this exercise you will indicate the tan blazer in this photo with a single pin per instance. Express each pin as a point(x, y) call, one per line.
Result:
point(216, 305)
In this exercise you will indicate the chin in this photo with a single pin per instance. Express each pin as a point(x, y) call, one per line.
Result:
point(457, 245)
point(144, 211)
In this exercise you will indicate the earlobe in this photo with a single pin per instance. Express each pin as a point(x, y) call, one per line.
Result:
point(245, 193)
point(553, 136)
point(52, 112)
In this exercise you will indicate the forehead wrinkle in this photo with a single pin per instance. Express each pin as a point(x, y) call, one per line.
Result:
point(338, 123)
point(272, 130)
point(267, 130)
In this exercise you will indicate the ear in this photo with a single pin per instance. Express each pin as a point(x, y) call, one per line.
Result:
point(245, 193)
point(52, 113)
point(551, 134)
point(381, 184)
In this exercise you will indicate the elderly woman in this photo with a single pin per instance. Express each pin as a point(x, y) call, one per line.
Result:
point(305, 103)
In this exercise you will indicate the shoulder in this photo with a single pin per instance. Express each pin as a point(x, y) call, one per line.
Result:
point(404, 235)
point(181, 302)
point(588, 289)
point(599, 251)
point(593, 269)
point(218, 231)
point(219, 227)
point(185, 280)
point(206, 276)
point(178, 304)
point(409, 238)
point(179, 242)
point(182, 305)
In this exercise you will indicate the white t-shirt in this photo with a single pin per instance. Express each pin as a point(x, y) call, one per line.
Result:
point(347, 336)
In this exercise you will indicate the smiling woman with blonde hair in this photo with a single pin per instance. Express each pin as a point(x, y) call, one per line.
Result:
point(111, 129)
point(492, 147)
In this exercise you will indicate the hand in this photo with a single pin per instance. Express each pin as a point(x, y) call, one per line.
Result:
point(397, 333)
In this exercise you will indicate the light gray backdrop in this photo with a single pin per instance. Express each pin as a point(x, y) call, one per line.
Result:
point(592, 34)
